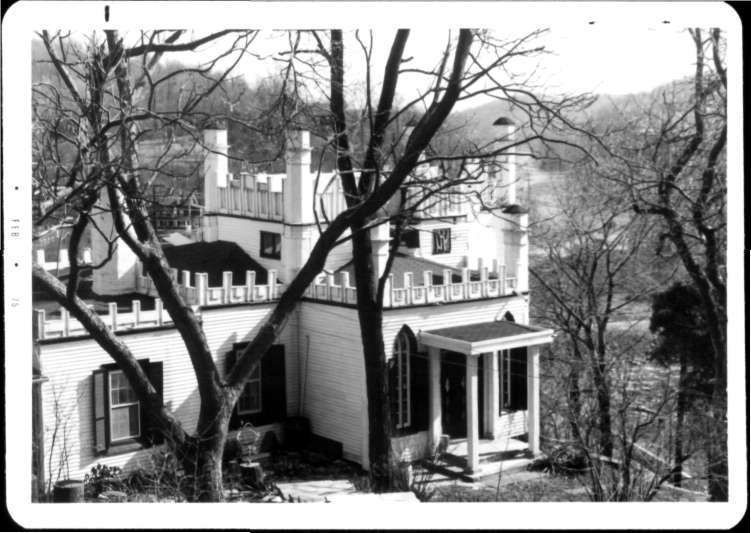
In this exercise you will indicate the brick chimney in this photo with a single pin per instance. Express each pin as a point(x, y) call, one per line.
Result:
point(215, 167)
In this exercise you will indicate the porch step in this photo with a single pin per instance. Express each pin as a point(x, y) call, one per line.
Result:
point(455, 467)
point(446, 468)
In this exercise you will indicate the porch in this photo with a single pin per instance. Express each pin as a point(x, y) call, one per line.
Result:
point(496, 455)
point(484, 382)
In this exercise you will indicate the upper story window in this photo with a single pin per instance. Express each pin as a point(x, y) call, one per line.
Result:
point(411, 238)
point(442, 241)
point(271, 245)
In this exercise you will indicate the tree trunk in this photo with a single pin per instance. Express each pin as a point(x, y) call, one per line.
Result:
point(603, 404)
point(201, 456)
point(574, 404)
point(680, 413)
point(370, 315)
point(717, 457)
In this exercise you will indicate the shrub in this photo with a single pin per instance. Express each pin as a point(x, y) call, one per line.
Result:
point(102, 478)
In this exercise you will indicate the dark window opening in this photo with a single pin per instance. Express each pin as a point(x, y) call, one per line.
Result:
point(271, 245)
point(411, 238)
point(512, 376)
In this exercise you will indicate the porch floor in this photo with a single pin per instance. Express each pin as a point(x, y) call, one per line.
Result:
point(496, 455)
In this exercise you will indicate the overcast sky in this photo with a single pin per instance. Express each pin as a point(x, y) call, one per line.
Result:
point(582, 57)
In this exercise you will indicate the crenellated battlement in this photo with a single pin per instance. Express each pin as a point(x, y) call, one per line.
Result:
point(482, 283)
point(201, 296)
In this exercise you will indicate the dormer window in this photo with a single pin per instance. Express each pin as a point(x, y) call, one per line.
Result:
point(442, 241)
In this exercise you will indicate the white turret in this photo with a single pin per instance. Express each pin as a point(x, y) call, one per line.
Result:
point(118, 273)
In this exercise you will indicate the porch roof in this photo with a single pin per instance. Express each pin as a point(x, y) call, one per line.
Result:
point(474, 339)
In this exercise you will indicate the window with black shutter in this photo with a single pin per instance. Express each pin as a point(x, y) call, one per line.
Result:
point(264, 398)
point(120, 418)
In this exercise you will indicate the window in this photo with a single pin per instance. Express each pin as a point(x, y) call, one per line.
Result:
point(271, 245)
point(125, 420)
point(118, 416)
point(401, 395)
point(264, 398)
point(512, 377)
point(442, 241)
point(250, 399)
point(411, 238)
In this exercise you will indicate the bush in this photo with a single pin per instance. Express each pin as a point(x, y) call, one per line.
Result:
point(566, 460)
point(102, 478)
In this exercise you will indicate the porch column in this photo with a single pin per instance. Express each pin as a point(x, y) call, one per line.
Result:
point(533, 398)
point(490, 369)
point(473, 427)
point(434, 364)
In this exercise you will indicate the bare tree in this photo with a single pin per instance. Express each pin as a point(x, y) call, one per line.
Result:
point(674, 164)
point(397, 139)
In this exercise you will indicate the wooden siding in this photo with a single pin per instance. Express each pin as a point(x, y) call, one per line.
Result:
point(511, 424)
point(456, 314)
point(69, 366)
point(332, 375)
point(247, 234)
point(459, 242)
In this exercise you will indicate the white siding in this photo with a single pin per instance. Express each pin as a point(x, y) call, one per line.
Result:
point(69, 366)
point(511, 424)
point(332, 375)
point(455, 314)
point(459, 242)
point(247, 234)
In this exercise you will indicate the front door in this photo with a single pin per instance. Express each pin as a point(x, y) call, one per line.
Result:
point(454, 394)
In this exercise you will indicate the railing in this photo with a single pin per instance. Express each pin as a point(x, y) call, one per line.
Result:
point(66, 326)
point(62, 259)
point(200, 295)
point(257, 195)
point(491, 284)
point(203, 295)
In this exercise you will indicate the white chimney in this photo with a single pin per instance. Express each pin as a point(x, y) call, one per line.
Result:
point(118, 274)
point(298, 186)
point(503, 175)
point(380, 237)
point(215, 167)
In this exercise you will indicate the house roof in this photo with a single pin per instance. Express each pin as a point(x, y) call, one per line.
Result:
point(474, 339)
point(404, 263)
point(214, 258)
point(484, 331)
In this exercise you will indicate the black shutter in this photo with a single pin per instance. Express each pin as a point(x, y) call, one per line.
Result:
point(229, 362)
point(151, 432)
point(100, 411)
point(518, 378)
point(393, 393)
point(419, 393)
point(273, 387)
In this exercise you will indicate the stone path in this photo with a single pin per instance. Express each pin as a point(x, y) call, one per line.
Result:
point(337, 491)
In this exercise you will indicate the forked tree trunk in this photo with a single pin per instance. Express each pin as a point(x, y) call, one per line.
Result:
point(201, 456)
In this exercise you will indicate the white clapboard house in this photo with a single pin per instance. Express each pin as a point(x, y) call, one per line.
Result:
point(463, 356)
